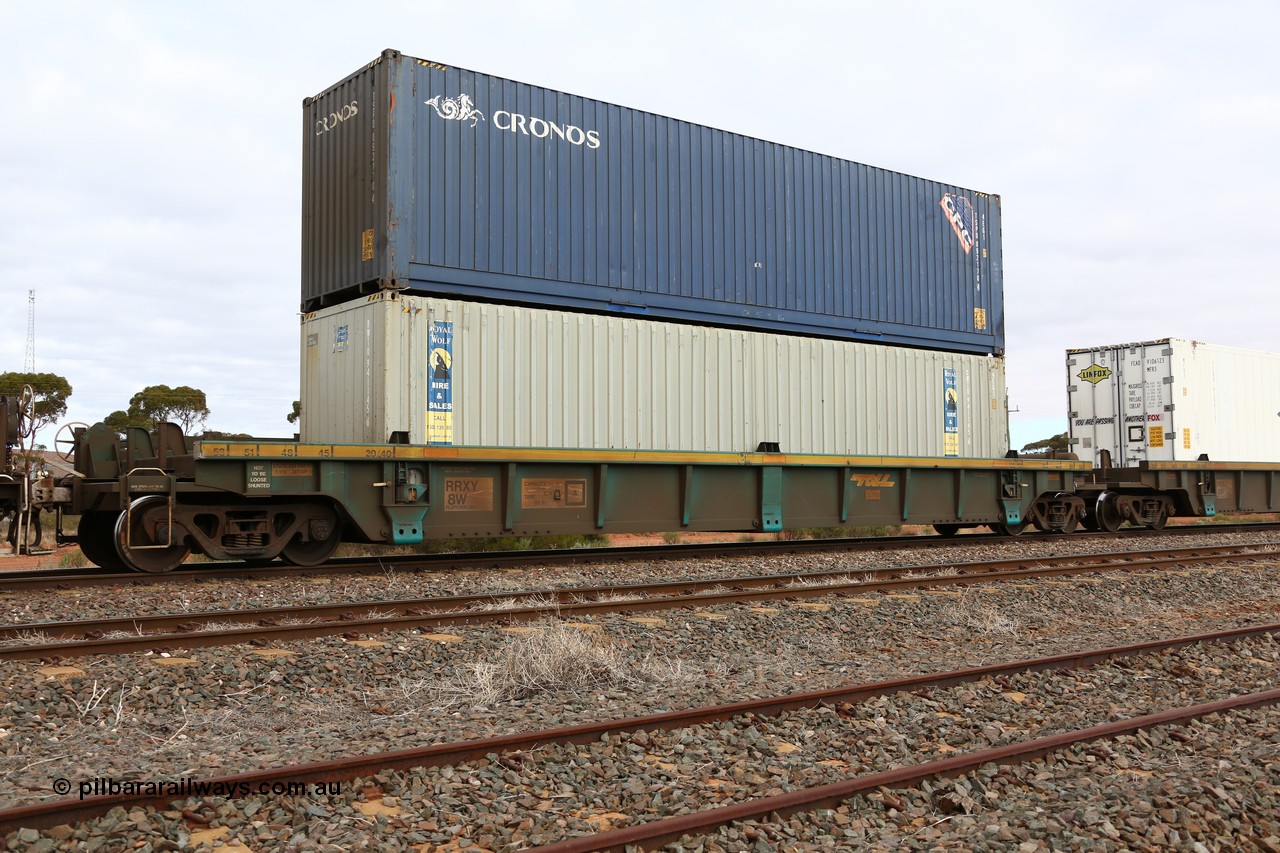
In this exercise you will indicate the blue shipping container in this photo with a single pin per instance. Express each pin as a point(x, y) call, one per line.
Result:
point(447, 182)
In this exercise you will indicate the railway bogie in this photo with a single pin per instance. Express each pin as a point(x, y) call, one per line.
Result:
point(1057, 511)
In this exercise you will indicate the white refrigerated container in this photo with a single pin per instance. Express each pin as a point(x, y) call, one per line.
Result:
point(1173, 400)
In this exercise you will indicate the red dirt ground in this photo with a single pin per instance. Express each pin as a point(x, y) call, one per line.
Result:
point(10, 563)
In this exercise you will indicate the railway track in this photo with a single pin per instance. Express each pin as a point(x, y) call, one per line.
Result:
point(64, 578)
point(194, 630)
point(1147, 660)
point(653, 834)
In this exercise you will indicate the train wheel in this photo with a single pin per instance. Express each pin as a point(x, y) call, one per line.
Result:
point(1010, 529)
point(1069, 525)
point(325, 537)
point(1090, 520)
point(95, 534)
point(1161, 519)
point(138, 531)
point(947, 530)
point(1108, 514)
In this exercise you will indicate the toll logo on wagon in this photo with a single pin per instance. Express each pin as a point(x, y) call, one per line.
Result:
point(440, 384)
point(1094, 373)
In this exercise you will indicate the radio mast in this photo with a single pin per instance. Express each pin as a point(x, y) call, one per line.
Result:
point(30, 365)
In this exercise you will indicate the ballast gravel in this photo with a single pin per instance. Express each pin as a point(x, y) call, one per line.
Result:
point(513, 801)
point(1209, 785)
point(222, 710)
point(225, 709)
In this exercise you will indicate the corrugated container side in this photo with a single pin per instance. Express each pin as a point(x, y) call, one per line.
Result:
point(344, 187)
point(514, 376)
point(1173, 400)
point(453, 183)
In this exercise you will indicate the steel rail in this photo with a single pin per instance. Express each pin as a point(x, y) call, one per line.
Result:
point(493, 560)
point(189, 621)
point(50, 813)
point(681, 594)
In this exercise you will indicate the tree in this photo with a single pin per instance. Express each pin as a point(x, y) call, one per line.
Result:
point(31, 460)
point(1057, 442)
point(296, 414)
point(154, 404)
point(219, 435)
point(120, 420)
point(51, 393)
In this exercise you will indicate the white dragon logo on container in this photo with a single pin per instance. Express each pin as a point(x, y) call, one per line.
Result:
point(461, 108)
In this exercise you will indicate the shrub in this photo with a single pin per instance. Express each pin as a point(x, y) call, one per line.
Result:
point(72, 558)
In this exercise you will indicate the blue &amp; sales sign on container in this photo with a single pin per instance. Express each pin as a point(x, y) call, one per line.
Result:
point(440, 373)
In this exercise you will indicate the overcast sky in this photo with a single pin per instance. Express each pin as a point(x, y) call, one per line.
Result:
point(150, 159)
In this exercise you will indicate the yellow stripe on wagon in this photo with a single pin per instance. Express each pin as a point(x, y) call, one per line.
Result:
point(1210, 466)
point(323, 452)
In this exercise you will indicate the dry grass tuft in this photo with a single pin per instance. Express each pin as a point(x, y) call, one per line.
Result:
point(616, 597)
point(980, 617)
point(215, 626)
point(27, 637)
point(530, 602)
point(829, 580)
point(556, 658)
point(124, 635)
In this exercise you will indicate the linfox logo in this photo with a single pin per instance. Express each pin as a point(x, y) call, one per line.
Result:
point(1094, 373)
point(874, 481)
point(329, 122)
point(960, 214)
point(462, 108)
